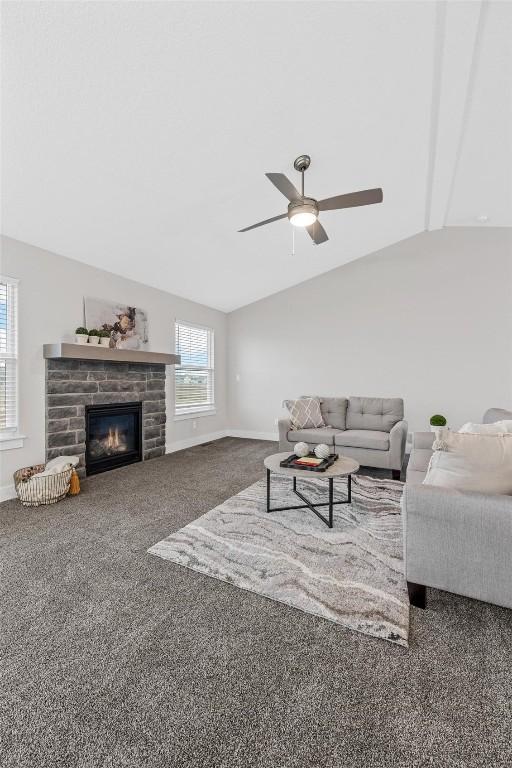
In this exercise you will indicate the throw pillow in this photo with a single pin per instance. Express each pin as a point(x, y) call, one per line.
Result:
point(470, 462)
point(498, 428)
point(305, 413)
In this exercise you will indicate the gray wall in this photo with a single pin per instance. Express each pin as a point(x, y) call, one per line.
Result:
point(51, 295)
point(428, 319)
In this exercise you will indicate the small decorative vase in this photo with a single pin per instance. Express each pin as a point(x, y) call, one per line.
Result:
point(94, 339)
point(105, 341)
point(81, 338)
point(322, 451)
point(301, 449)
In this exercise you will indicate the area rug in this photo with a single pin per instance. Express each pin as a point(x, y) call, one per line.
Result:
point(351, 574)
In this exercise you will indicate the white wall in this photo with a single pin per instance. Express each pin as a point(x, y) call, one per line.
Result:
point(428, 319)
point(51, 295)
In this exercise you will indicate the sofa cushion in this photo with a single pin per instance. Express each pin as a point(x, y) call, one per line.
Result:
point(316, 436)
point(305, 413)
point(419, 459)
point(414, 476)
point(334, 411)
point(378, 413)
point(363, 438)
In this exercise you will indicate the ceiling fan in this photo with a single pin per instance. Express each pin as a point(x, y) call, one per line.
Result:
point(303, 211)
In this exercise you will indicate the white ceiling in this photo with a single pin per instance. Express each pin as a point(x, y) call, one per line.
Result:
point(136, 135)
point(482, 185)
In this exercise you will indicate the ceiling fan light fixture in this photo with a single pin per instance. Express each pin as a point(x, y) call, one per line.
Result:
point(303, 213)
point(302, 219)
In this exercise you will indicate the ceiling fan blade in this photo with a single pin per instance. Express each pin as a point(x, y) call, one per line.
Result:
point(317, 233)
point(353, 199)
point(261, 223)
point(284, 185)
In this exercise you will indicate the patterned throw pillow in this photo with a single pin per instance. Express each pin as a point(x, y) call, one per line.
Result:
point(305, 413)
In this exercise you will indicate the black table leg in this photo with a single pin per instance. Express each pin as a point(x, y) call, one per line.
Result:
point(329, 519)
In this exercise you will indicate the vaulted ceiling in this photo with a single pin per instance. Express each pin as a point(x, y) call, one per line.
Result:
point(136, 135)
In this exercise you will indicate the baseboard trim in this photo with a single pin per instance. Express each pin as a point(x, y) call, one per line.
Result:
point(246, 433)
point(190, 442)
point(7, 492)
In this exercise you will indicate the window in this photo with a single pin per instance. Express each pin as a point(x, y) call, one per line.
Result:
point(194, 385)
point(8, 357)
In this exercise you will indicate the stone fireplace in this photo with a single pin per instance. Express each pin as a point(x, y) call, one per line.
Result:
point(74, 387)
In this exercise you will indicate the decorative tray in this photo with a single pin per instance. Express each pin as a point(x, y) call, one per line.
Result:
point(292, 462)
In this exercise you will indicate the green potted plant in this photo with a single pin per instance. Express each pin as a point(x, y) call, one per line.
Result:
point(94, 336)
point(105, 338)
point(437, 422)
point(81, 335)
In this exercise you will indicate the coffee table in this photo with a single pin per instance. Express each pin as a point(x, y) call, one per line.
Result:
point(343, 467)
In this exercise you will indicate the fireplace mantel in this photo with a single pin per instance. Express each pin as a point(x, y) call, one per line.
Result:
point(67, 351)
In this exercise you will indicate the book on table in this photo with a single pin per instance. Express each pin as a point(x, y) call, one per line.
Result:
point(308, 461)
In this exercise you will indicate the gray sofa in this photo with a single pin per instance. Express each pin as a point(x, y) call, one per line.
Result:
point(457, 541)
point(370, 430)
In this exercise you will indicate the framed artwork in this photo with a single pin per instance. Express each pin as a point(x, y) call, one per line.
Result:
point(128, 326)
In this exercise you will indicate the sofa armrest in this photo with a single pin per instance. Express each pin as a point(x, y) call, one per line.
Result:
point(459, 541)
point(423, 440)
point(397, 440)
point(284, 427)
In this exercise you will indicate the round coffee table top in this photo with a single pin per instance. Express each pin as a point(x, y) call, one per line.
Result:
point(342, 467)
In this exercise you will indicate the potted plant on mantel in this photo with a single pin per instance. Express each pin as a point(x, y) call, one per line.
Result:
point(81, 335)
point(105, 338)
point(437, 422)
point(94, 336)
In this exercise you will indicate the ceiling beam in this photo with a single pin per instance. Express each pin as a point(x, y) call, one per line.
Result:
point(457, 33)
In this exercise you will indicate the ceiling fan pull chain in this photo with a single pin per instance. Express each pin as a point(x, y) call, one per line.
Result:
point(293, 242)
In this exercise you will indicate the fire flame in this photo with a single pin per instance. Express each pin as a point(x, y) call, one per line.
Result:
point(112, 441)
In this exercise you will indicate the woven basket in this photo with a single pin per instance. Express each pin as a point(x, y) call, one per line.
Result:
point(34, 491)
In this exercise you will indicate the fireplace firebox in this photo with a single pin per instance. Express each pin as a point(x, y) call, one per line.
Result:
point(113, 436)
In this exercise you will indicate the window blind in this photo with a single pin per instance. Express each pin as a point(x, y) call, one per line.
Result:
point(194, 378)
point(8, 354)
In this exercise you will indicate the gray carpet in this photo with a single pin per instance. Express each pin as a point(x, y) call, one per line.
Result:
point(111, 657)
